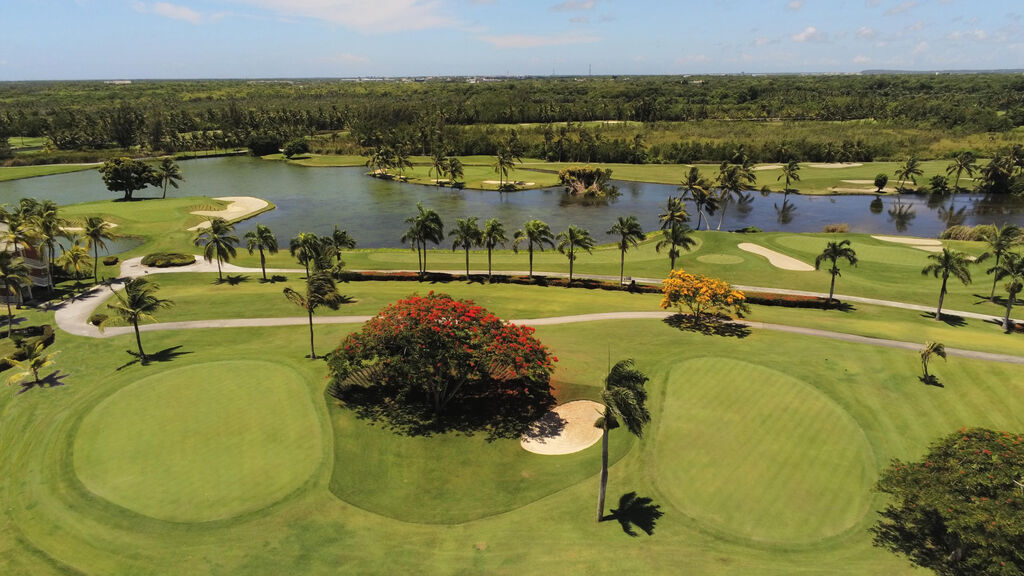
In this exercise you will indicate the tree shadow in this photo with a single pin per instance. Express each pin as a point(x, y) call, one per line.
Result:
point(715, 326)
point(165, 355)
point(232, 280)
point(841, 306)
point(948, 319)
point(548, 426)
point(636, 511)
point(54, 380)
point(273, 279)
point(931, 380)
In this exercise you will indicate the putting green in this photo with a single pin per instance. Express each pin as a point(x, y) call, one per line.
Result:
point(202, 442)
point(868, 251)
point(720, 259)
point(758, 454)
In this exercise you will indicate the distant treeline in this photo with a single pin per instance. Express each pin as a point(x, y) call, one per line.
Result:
point(658, 114)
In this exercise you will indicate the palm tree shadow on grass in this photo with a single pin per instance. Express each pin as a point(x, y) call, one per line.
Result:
point(232, 280)
point(274, 279)
point(636, 511)
point(54, 380)
point(948, 319)
point(165, 355)
point(931, 380)
point(709, 327)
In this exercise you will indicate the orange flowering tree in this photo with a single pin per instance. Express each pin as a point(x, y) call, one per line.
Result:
point(701, 295)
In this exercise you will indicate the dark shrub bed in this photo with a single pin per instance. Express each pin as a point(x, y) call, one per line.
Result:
point(167, 259)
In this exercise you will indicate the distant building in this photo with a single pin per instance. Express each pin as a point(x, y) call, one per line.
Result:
point(36, 259)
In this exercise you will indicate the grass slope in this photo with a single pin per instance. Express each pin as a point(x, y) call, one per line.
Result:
point(19, 172)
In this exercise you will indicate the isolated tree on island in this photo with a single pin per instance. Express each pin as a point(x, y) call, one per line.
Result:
point(128, 176)
point(96, 231)
point(572, 240)
point(834, 252)
point(493, 235)
point(136, 302)
point(261, 239)
point(945, 264)
point(14, 276)
point(218, 243)
point(958, 510)
point(625, 404)
point(467, 235)
point(169, 174)
point(630, 234)
point(536, 234)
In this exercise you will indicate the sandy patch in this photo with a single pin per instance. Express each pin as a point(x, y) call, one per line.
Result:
point(520, 183)
point(565, 429)
point(239, 207)
point(872, 182)
point(776, 259)
point(836, 165)
point(909, 240)
point(768, 167)
point(80, 229)
point(872, 190)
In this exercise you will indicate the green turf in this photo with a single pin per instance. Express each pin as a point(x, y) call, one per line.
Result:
point(19, 142)
point(202, 442)
point(18, 172)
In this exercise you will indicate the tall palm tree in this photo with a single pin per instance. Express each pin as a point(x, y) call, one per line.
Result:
point(218, 242)
point(96, 231)
point(48, 226)
point(169, 174)
point(909, 170)
point(303, 246)
point(931, 349)
point(791, 172)
point(1000, 241)
point(466, 234)
point(136, 302)
point(425, 226)
point(455, 170)
point(945, 264)
point(400, 159)
point(32, 362)
point(261, 239)
point(963, 163)
point(673, 239)
point(75, 260)
point(14, 277)
point(341, 240)
point(697, 191)
point(320, 291)
point(674, 213)
point(834, 252)
point(438, 166)
point(1011, 269)
point(572, 239)
point(625, 404)
point(733, 179)
point(630, 233)
point(504, 162)
point(536, 234)
point(492, 235)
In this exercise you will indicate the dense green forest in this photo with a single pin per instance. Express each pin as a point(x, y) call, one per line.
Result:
point(604, 119)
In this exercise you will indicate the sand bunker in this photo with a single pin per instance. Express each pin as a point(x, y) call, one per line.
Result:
point(872, 182)
point(841, 190)
point(926, 244)
point(520, 183)
point(776, 259)
point(565, 429)
point(80, 229)
point(836, 165)
point(768, 167)
point(238, 207)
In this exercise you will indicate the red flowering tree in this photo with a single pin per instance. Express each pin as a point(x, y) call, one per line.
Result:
point(436, 351)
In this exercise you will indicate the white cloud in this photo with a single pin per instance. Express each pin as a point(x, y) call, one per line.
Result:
point(537, 41)
point(168, 10)
point(572, 5)
point(976, 34)
point(382, 16)
point(809, 34)
point(865, 32)
point(861, 59)
point(916, 26)
point(795, 5)
point(901, 8)
point(921, 48)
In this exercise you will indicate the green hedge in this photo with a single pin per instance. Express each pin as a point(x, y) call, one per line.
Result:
point(110, 260)
point(167, 259)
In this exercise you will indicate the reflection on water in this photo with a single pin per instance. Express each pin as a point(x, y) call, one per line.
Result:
point(373, 210)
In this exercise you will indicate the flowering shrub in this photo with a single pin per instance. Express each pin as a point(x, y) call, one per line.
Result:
point(700, 294)
point(437, 349)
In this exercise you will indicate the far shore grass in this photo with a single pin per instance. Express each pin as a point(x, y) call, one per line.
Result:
point(19, 172)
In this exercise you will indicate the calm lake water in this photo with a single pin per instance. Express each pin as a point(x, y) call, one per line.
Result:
point(374, 211)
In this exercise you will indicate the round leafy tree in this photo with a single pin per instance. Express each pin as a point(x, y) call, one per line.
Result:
point(960, 510)
point(437, 362)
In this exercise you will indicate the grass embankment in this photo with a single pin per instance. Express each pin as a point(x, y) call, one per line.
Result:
point(19, 172)
point(761, 454)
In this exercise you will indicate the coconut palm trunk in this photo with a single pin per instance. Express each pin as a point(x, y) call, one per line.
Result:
point(995, 279)
point(531, 260)
point(622, 266)
point(138, 340)
point(604, 473)
point(832, 287)
point(312, 349)
point(488, 264)
point(467, 262)
point(263, 263)
point(1009, 307)
point(572, 258)
point(95, 262)
point(10, 314)
point(942, 296)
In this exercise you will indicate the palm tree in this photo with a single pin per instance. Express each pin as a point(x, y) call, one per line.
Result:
point(48, 227)
point(630, 234)
point(14, 276)
point(931, 349)
point(674, 214)
point(467, 234)
point(138, 302)
point(733, 179)
point(168, 173)
point(33, 361)
point(1011, 268)
point(75, 260)
point(673, 239)
point(696, 187)
point(504, 162)
point(948, 263)
point(572, 239)
point(963, 162)
point(492, 235)
point(438, 165)
point(400, 157)
point(425, 226)
point(218, 242)
point(833, 252)
point(261, 239)
point(96, 230)
point(535, 233)
point(455, 171)
point(909, 170)
point(303, 247)
point(341, 240)
point(625, 403)
point(791, 172)
point(1000, 242)
point(320, 291)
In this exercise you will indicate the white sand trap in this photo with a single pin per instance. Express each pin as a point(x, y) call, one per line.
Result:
point(238, 207)
point(80, 229)
point(566, 429)
point(909, 240)
point(836, 165)
point(520, 183)
point(872, 182)
point(872, 190)
point(768, 167)
point(776, 259)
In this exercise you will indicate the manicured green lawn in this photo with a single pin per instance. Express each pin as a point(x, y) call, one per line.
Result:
point(19, 142)
point(18, 172)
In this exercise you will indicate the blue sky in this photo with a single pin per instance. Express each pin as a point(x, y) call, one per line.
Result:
point(86, 39)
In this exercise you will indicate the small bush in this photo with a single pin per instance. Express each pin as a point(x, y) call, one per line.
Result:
point(167, 260)
point(110, 260)
point(968, 233)
point(97, 318)
point(787, 300)
point(263, 144)
point(748, 230)
point(296, 147)
point(840, 228)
